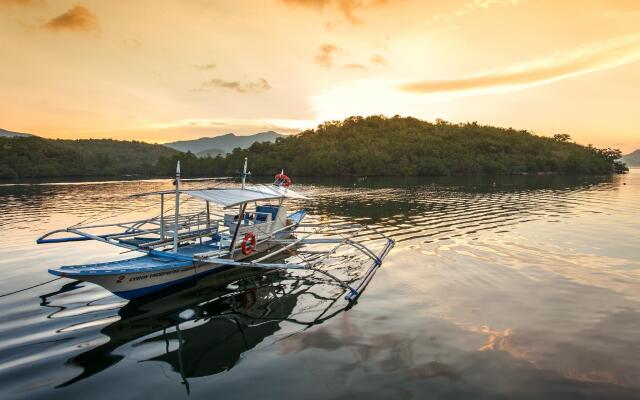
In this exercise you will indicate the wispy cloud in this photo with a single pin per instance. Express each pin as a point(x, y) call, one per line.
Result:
point(78, 18)
point(581, 60)
point(326, 58)
point(378, 59)
point(131, 43)
point(356, 67)
point(325, 55)
point(259, 85)
point(471, 7)
point(19, 2)
point(348, 8)
point(317, 4)
point(207, 66)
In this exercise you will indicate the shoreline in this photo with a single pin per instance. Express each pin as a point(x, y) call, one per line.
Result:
point(85, 180)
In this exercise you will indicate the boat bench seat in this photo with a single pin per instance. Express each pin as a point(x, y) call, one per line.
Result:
point(268, 209)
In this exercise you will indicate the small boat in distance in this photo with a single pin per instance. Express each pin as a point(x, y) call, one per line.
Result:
point(184, 246)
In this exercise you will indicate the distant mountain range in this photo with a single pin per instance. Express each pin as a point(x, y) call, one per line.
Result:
point(6, 133)
point(224, 144)
point(632, 159)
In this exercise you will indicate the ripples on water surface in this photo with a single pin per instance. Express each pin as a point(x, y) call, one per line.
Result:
point(524, 287)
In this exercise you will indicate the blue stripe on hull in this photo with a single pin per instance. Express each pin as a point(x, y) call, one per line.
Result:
point(297, 216)
point(135, 293)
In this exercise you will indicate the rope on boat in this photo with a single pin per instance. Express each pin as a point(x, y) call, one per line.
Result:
point(30, 287)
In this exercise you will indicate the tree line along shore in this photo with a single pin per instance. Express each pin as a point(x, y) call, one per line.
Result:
point(356, 146)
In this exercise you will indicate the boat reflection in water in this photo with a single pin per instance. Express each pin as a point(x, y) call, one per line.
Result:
point(203, 328)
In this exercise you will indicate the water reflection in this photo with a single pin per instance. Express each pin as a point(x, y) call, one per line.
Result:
point(203, 328)
point(445, 208)
point(499, 287)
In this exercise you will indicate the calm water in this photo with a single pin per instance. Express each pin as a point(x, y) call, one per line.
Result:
point(523, 287)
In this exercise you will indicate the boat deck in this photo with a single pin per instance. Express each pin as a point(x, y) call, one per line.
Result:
point(155, 261)
point(129, 266)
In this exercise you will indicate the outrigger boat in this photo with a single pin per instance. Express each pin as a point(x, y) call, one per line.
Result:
point(192, 244)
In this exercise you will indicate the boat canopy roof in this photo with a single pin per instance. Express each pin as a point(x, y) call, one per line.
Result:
point(234, 197)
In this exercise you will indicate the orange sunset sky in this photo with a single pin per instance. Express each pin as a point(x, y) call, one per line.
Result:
point(169, 70)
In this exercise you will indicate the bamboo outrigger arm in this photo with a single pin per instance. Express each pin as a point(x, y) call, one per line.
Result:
point(353, 292)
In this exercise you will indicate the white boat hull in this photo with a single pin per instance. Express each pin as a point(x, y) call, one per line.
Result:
point(134, 285)
point(131, 284)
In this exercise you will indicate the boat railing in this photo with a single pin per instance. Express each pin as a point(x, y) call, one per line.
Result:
point(196, 234)
point(191, 225)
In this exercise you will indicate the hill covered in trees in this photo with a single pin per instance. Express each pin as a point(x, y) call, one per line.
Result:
point(378, 145)
point(6, 133)
point(35, 157)
point(371, 146)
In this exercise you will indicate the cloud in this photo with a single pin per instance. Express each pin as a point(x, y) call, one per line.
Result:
point(589, 58)
point(348, 8)
point(378, 59)
point(19, 2)
point(131, 43)
point(78, 18)
point(205, 66)
point(259, 85)
point(324, 58)
point(471, 7)
point(355, 67)
point(327, 52)
point(318, 4)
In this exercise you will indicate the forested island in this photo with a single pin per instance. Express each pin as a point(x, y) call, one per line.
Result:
point(35, 157)
point(357, 146)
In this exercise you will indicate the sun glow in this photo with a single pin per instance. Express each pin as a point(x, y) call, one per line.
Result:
point(98, 70)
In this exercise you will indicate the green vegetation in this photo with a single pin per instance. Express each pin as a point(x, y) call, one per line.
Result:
point(210, 153)
point(356, 146)
point(34, 157)
point(410, 147)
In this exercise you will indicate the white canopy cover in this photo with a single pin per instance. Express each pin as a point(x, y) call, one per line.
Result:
point(234, 197)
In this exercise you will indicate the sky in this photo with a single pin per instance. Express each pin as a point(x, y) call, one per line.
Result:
point(173, 70)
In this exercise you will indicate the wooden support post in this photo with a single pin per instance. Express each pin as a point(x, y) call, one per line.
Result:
point(176, 228)
point(162, 216)
point(235, 234)
point(208, 216)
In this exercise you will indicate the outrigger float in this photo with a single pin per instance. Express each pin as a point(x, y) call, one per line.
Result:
point(192, 244)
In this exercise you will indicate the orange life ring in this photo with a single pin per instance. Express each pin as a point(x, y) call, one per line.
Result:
point(248, 243)
point(282, 180)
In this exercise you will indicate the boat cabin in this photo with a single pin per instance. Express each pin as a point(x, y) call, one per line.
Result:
point(265, 218)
